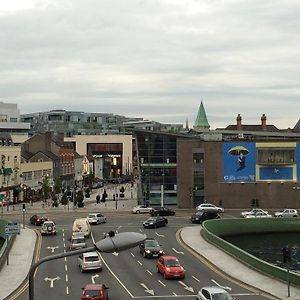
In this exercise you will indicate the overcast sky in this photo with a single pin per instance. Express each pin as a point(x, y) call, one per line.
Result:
point(154, 59)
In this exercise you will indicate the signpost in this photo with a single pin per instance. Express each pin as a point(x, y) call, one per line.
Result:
point(11, 228)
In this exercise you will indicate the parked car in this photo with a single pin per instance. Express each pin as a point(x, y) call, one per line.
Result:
point(89, 261)
point(202, 215)
point(170, 267)
point(48, 228)
point(287, 212)
point(252, 212)
point(140, 209)
point(151, 248)
point(213, 293)
point(95, 292)
point(96, 218)
point(154, 222)
point(162, 211)
point(77, 242)
point(82, 226)
point(259, 214)
point(209, 206)
point(38, 220)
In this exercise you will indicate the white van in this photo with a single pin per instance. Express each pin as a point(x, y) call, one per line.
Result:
point(82, 226)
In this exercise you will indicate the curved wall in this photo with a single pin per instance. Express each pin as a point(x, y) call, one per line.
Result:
point(214, 230)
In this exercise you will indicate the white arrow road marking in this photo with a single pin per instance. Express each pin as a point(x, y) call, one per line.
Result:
point(115, 253)
point(52, 248)
point(161, 235)
point(178, 252)
point(93, 278)
point(219, 285)
point(151, 292)
point(196, 278)
point(51, 280)
point(188, 288)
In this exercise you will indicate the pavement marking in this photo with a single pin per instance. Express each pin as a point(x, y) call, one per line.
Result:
point(149, 272)
point(51, 280)
point(188, 288)
point(132, 254)
point(52, 248)
point(219, 285)
point(146, 289)
point(161, 283)
point(160, 235)
point(178, 252)
point(67, 278)
point(66, 268)
point(196, 278)
point(67, 290)
point(139, 263)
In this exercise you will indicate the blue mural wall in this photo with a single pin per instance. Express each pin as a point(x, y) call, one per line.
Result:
point(278, 173)
point(239, 161)
point(298, 160)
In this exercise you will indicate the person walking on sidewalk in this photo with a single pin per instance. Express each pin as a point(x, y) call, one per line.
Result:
point(98, 199)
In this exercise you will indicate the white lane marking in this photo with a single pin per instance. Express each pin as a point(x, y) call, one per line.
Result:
point(65, 259)
point(110, 270)
point(149, 272)
point(196, 278)
point(93, 278)
point(139, 263)
point(51, 280)
point(132, 254)
point(161, 235)
point(146, 289)
point(161, 283)
point(188, 288)
point(64, 245)
point(219, 285)
point(178, 252)
point(67, 278)
point(66, 268)
point(67, 290)
point(64, 239)
point(52, 248)
point(174, 294)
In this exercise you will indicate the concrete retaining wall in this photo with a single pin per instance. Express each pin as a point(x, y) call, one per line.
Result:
point(214, 230)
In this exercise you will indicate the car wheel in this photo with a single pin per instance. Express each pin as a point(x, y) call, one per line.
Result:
point(144, 254)
point(81, 269)
point(138, 212)
point(295, 216)
point(165, 276)
point(157, 270)
point(280, 216)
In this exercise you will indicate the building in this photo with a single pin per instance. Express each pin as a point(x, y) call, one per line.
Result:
point(239, 166)
point(10, 123)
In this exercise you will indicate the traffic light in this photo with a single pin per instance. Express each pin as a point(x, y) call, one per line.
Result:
point(287, 255)
point(24, 207)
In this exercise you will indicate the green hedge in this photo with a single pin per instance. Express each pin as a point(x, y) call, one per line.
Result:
point(214, 230)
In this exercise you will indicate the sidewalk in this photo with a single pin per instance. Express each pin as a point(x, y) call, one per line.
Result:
point(191, 236)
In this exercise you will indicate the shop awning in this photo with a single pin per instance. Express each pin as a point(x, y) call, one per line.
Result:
point(7, 171)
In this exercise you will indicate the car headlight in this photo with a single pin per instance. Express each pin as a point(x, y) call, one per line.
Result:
point(147, 251)
point(168, 269)
point(161, 251)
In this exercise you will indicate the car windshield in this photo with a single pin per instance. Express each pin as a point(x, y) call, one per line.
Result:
point(172, 263)
point(91, 216)
point(92, 293)
point(153, 243)
point(91, 258)
point(151, 220)
point(78, 240)
point(221, 296)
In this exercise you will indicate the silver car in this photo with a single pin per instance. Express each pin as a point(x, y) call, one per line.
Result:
point(96, 218)
point(213, 293)
point(77, 242)
point(286, 213)
point(89, 261)
point(141, 209)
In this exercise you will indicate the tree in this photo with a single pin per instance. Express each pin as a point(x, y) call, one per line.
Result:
point(64, 199)
point(46, 187)
point(57, 185)
point(79, 199)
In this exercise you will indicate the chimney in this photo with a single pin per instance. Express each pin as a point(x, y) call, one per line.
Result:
point(264, 122)
point(238, 122)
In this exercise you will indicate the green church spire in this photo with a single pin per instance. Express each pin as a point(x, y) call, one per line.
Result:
point(201, 120)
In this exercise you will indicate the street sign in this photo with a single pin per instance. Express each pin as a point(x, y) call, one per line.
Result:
point(12, 228)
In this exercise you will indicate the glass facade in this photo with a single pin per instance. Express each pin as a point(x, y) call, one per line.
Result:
point(157, 162)
point(198, 177)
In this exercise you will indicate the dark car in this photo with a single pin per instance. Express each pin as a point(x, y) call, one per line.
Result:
point(162, 211)
point(154, 222)
point(201, 216)
point(151, 248)
point(38, 220)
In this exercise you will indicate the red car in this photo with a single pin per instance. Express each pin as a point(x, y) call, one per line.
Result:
point(94, 292)
point(170, 267)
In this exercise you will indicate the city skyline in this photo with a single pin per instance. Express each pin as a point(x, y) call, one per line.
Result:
point(154, 59)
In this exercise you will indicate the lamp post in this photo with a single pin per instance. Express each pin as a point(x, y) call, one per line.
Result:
point(112, 243)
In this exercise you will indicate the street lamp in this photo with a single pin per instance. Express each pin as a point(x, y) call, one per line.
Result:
point(112, 243)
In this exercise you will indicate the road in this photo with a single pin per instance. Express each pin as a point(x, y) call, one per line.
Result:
point(127, 274)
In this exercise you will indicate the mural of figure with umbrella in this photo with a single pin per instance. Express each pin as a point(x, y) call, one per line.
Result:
point(241, 153)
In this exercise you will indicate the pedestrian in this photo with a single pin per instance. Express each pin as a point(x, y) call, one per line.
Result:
point(98, 199)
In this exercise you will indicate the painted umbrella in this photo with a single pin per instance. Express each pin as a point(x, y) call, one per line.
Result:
point(237, 150)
